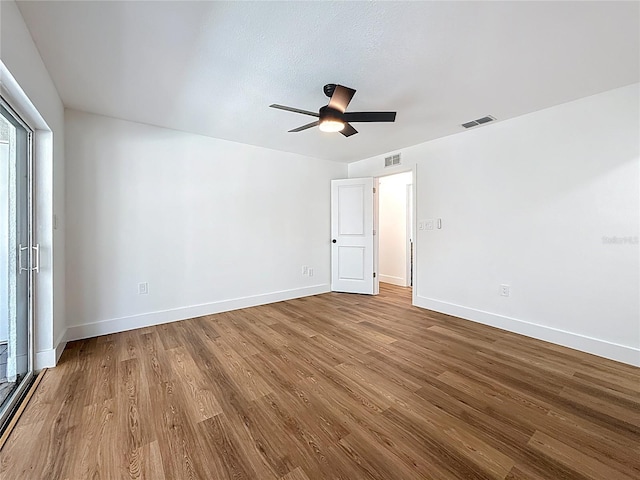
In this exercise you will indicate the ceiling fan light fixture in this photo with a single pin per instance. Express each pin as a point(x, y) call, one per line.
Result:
point(331, 126)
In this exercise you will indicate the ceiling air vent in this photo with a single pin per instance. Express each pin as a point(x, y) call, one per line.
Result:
point(392, 160)
point(480, 121)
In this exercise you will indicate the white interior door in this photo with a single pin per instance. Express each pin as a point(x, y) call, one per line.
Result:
point(352, 254)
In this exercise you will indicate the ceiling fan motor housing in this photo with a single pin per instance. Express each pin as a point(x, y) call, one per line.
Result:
point(329, 88)
point(330, 114)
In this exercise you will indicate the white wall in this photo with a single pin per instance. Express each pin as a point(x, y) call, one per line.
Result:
point(392, 228)
point(211, 225)
point(30, 89)
point(533, 202)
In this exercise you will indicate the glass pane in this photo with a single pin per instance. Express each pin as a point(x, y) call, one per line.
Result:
point(15, 358)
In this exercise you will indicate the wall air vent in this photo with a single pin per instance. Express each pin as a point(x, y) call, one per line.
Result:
point(479, 121)
point(392, 160)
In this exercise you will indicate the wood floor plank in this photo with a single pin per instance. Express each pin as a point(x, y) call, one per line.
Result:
point(374, 460)
point(42, 402)
point(583, 464)
point(521, 473)
point(228, 327)
point(222, 443)
point(300, 442)
point(295, 474)
point(134, 402)
point(621, 409)
point(450, 432)
point(13, 461)
point(177, 437)
point(291, 390)
point(575, 423)
point(97, 452)
point(251, 385)
point(202, 402)
point(333, 386)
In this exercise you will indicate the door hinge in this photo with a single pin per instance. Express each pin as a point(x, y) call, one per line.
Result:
point(374, 274)
point(374, 189)
point(374, 232)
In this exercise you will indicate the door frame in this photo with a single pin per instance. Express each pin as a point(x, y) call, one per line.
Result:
point(376, 235)
point(410, 233)
point(16, 396)
point(49, 341)
point(412, 261)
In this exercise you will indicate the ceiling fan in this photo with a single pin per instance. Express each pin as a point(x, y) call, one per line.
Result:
point(333, 117)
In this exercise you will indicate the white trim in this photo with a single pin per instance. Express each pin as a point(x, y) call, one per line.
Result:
point(43, 158)
point(376, 235)
point(414, 279)
point(45, 359)
point(115, 325)
point(401, 282)
point(408, 207)
point(19, 100)
point(60, 348)
point(60, 344)
point(410, 193)
point(49, 358)
point(602, 348)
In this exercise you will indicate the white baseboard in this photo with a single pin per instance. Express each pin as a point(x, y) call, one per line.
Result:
point(602, 348)
point(49, 358)
point(115, 325)
point(401, 282)
point(45, 359)
point(61, 344)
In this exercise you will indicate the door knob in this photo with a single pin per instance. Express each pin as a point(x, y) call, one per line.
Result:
point(333, 241)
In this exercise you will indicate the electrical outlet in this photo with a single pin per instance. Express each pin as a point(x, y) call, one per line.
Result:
point(305, 270)
point(420, 225)
point(429, 224)
point(310, 272)
point(143, 288)
point(505, 290)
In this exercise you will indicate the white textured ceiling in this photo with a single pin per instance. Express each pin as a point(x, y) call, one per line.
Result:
point(213, 68)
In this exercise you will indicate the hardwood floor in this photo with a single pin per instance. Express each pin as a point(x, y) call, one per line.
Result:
point(334, 386)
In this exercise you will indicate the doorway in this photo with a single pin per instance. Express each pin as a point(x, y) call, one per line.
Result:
point(19, 260)
point(395, 229)
point(372, 232)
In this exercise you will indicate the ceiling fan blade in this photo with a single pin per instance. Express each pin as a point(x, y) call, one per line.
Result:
point(341, 98)
point(304, 127)
point(348, 130)
point(370, 116)
point(295, 110)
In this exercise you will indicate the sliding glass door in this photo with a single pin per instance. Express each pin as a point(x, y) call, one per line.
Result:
point(19, 259)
